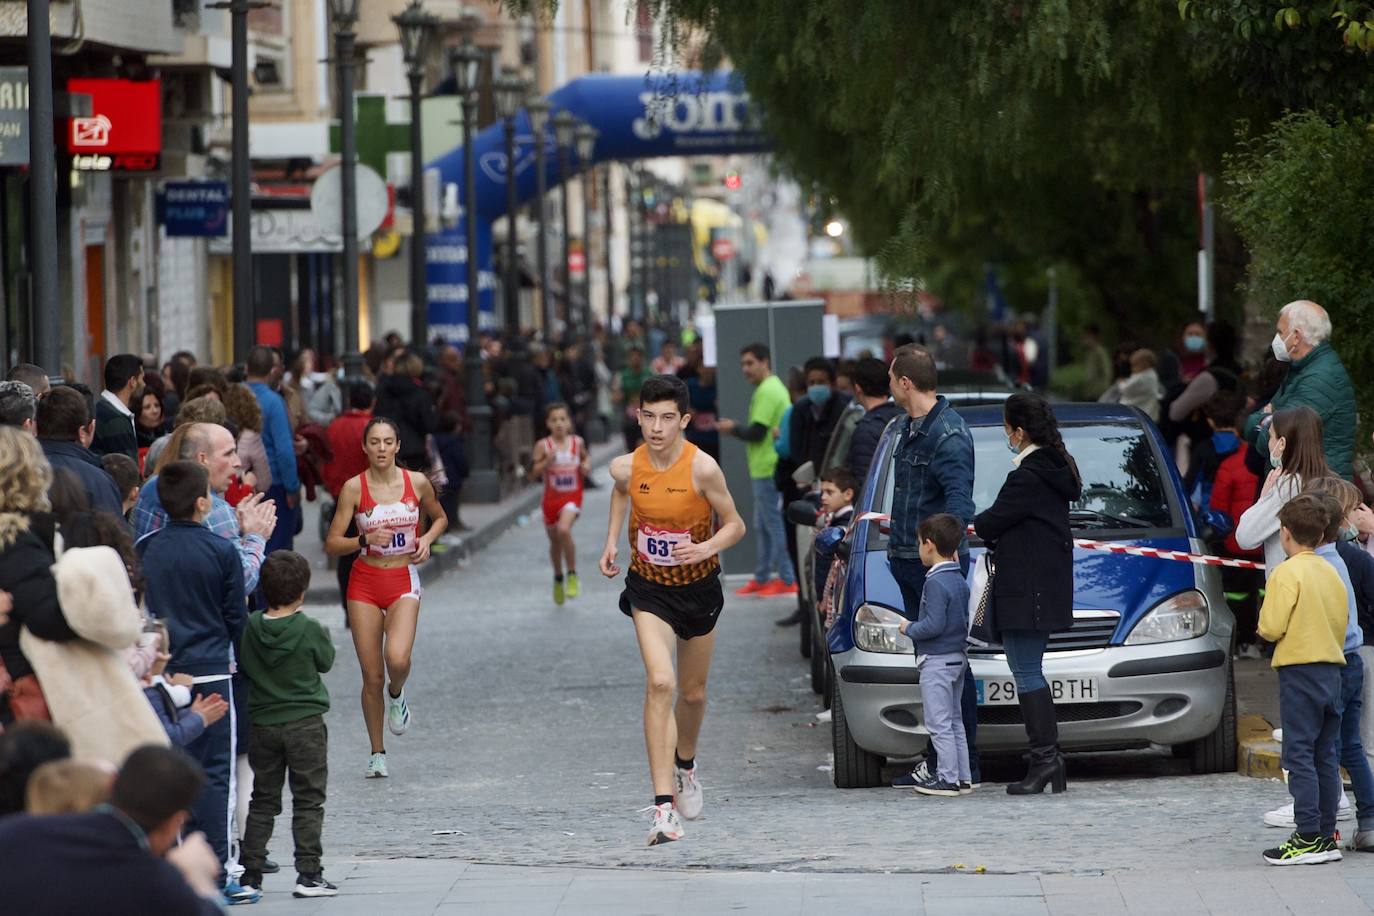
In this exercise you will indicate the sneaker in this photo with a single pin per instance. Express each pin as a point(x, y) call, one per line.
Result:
point(574, 587)
point(376, 766)
point(965, 788)
point(776, 589)
point(666, 827)
point(269, 867)
point(1362, 841)
point(934, 785)
point(397, 713)
point(313, 886)
point(909, 780)
point(1283, 816)
point(252, 879)
point(1304, 850)
point(687, 793)
point(750, 587)
point(557, 592)
point(235, 894)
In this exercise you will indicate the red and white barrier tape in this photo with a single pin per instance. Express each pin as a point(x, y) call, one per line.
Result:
point(1201, 559)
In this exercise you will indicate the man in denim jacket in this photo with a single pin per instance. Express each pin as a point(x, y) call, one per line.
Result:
point(932, 473)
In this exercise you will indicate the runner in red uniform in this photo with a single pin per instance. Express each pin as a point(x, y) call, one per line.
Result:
point(387, 503)
point(563, 460)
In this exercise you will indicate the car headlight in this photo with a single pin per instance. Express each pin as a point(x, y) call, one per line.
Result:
point(1184, 616)
point(879, 629)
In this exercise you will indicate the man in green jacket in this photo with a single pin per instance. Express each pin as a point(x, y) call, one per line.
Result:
point(1316, 379)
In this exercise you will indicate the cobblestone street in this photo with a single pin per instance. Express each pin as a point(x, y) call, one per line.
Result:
point(527, 751)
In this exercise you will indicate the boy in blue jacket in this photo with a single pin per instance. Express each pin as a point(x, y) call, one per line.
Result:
point(195, 585)
point(940, 632)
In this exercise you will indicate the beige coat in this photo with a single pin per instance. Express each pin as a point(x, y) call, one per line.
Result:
point(91, 693)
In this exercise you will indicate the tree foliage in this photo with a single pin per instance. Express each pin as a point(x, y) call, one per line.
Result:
point(1033, 133)
point(1300, 199)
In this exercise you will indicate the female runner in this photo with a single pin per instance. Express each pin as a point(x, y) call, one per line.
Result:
point(386, 502)
point(562, 460)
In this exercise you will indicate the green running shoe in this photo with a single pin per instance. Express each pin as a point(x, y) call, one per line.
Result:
point(1304, 850)
point(574, 587)
point(558, 591)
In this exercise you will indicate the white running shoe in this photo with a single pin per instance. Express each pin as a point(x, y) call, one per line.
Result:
point(1283, 817)
point(397, 713)
point(687, 793)
point(376, 766)
point(666, 827)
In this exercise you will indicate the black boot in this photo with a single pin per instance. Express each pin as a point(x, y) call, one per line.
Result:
point(1042, 729)
point(791, 620)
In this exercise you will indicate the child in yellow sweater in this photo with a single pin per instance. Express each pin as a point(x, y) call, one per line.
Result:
point(1304, 613)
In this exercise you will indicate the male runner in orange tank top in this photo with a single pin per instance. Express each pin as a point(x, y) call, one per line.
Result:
point(673, 494)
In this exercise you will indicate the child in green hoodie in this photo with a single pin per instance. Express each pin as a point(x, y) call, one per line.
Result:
point(283, 654)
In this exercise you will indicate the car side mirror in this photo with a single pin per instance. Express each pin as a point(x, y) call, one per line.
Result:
point(802, 512)
point(843, 548)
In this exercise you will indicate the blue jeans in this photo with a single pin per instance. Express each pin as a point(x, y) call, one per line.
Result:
point(284, 535)
point(1025, 654)
point(1352, 755)
point(1308, 708)
point(772, 543)
point(216, 750)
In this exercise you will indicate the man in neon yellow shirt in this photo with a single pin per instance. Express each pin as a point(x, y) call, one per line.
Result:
point(766, 408)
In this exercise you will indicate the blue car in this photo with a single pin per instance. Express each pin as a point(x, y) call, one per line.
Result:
point(1147, 661)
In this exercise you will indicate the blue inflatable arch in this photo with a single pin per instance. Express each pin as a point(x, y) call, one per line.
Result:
point(671, 114)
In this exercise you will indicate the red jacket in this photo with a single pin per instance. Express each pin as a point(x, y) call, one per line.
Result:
point(1233, 492)
point(347, 460)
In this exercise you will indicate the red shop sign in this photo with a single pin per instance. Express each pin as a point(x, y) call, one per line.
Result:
point(126, 117)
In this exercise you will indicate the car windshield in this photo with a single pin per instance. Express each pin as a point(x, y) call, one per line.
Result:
point(1123, 486)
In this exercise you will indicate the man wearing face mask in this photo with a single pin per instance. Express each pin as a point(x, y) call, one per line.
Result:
point(814, 417)
point(1316, 379)
point(813, 422)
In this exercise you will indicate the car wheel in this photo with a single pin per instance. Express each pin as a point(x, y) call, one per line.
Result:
point(829, 684)
point(820, 657)
point(855, 768)
point(1216, 753)
point(807, 615)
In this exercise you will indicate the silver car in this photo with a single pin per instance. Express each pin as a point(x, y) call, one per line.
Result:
point(1147, 661)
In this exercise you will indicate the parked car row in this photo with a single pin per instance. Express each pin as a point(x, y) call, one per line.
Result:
point(1147, 661)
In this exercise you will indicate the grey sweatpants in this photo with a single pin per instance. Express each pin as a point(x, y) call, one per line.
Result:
point(942, 685)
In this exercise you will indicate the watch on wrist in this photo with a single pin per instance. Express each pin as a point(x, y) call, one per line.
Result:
point(362, 542)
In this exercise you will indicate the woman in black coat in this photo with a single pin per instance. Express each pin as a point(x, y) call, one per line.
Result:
point(1027, 528)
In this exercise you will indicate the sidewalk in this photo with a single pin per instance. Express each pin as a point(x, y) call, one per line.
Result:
point(487, 520)
point(410, 887)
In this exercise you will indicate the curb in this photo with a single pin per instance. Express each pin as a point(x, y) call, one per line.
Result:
point(1257, 753)
point(455, 556)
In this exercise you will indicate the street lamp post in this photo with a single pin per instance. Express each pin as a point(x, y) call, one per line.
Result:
point(585, 139)
point(510, 91)
point(483, 483)
point(43, 192)
point(538, 110)
point(606, 244)
point(564, 131)
point(344, 14)
point(417, 29)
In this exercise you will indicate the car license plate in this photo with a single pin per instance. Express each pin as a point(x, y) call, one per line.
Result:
point(1001, 691)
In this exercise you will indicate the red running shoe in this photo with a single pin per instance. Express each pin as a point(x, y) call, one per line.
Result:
point(752, 587)
point(775, 589)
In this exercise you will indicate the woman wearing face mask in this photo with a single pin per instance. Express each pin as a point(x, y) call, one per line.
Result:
point(1193, 357)
point(1027, 528)
point(1296, 459)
